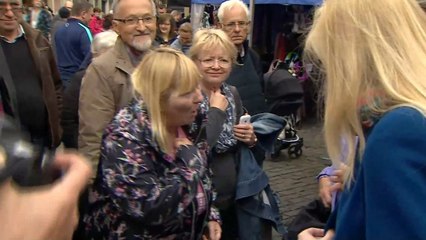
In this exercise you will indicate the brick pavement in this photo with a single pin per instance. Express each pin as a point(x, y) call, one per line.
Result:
point(294, 179)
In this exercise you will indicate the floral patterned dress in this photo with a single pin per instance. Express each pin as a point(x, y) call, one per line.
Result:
point(141, 192)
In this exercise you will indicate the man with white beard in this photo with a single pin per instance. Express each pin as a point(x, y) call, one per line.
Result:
point(106, 86)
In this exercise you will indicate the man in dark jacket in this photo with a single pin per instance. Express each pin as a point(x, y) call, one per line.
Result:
point(246, 75)
point(73, 41)
point(30, 87)
point(57, 22)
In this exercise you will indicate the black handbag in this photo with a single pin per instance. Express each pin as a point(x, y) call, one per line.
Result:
point(314, 214)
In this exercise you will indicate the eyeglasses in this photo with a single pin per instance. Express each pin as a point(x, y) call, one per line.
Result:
point(209, 62)
point(14, 9)
point(135, 20)
point(232, 25)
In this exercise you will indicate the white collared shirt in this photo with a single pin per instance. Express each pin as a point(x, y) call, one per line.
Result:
point(21, 33)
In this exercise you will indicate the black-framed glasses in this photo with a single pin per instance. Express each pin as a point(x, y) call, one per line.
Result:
point(14, 9)
point(222, 62)
point(232, 25)
point(135, 20)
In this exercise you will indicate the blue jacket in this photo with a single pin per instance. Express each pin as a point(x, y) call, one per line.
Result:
point(387, 198)
point(72, 46)
point(255, 200)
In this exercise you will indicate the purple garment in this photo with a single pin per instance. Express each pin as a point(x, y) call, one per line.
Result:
point(328, 171)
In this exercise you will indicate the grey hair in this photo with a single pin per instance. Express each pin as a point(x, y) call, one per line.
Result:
point(230, 4)
point(116, 3)
point(103, 41)
point(174, 13)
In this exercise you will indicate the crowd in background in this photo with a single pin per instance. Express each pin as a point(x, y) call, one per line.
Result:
point(158, 111)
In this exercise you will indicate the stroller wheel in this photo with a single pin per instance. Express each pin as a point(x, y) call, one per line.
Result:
point(278, 145)
point(295, 151)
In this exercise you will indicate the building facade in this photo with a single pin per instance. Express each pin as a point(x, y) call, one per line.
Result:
point(105, 5)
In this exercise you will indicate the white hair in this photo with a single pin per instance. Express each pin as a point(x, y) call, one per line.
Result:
point(103, 41)
point(116, 2)
point(230, 4)
point(175, 12)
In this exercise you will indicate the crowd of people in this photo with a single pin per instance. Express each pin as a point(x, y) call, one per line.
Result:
point(154, 109)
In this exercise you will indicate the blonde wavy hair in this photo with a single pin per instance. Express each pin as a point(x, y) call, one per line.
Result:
point(154, 82)
point(210, 39)
point(367, 49)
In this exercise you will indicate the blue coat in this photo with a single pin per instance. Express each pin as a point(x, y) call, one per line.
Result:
point(387, 199)
point(72, 42)
point(255, 200)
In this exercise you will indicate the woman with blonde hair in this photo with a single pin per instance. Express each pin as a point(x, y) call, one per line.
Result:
point(214, 54)
point(153, 181)
point(373, 56)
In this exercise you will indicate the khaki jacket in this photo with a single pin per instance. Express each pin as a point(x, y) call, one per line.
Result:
point(51, 83)
point(106, 88)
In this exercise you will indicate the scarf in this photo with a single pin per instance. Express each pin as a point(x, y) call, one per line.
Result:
point(367, 115)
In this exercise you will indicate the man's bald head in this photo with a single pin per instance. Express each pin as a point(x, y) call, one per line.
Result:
point(68, 5)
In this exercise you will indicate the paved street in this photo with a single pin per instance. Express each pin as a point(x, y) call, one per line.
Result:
point(294, 179)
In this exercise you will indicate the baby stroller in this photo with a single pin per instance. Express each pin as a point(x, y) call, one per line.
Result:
point(284, 96)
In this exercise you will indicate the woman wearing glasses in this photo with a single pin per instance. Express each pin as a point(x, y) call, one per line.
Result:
point(153, 181)
point(214, 54)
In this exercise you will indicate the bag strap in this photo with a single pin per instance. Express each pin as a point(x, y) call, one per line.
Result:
point(240, 110)
point(274, 65)
point(10, 86)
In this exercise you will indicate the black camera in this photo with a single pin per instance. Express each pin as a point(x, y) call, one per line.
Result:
point(26, 163)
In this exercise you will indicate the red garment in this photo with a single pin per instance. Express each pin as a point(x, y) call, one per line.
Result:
point(95, 25)
point(280, 47)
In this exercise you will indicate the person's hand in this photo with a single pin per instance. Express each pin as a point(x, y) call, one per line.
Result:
point(338, 177)
point(325, 191)
point(311, 234)
point(215, 231)
point(245, 133)
point(46, 212)
point(218, 100)
point(315, 234)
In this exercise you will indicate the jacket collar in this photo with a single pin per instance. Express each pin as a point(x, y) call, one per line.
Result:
point(21, 33)
point(123, 61)
point(72, 19)
point(32, 36)
point(243, 53)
